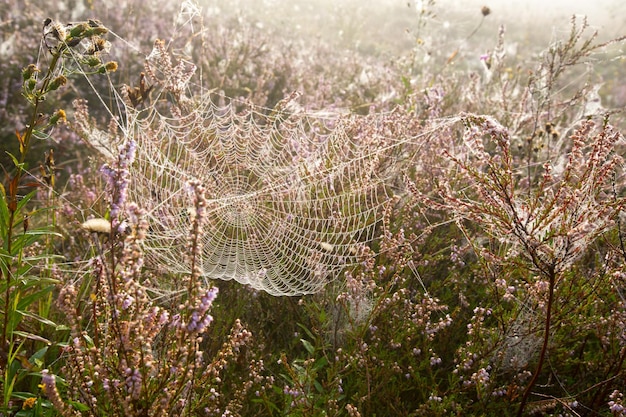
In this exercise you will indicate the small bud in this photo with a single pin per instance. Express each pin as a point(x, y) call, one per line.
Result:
point(78, 30)
point(29, 72)
point(93, 61)
point(485, 11)
point(58, 117)
point(96, 31)
point(57, 82)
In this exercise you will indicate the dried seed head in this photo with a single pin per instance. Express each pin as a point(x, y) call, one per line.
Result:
point(111, 66)
point(100, 45)
point(327, 246)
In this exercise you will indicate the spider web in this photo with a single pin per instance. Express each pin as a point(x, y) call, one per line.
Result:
point(291, 198)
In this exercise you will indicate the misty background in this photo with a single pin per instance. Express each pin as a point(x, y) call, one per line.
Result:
point(391, 27)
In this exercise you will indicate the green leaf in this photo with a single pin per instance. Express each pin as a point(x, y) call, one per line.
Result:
point(23, 395)
point(14, 319)
point(37, 282)
point(37, 357)
point(89, 340)
point(320, 363)
point(406, 82)
point(9, 383)
point(24, 200)
point(78, 406)
point(307, 331)
point(318, 386)
point(31, 336)
point(4, 215)
point(24, 240)
point(14, 159)
point(38, 318)
point(29, 299)
point(308, 346)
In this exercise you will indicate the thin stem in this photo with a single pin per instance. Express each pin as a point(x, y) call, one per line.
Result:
point(5, 324)
point(38, 99)
point(544, 347)
point(476, 28)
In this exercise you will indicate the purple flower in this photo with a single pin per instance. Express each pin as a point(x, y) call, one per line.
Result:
point(118, 178)
point(48, 379)
point(128, 301)
point(200, 319)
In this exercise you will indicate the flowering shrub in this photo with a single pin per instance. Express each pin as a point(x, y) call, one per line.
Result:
point(128, 356)
point(492, 282)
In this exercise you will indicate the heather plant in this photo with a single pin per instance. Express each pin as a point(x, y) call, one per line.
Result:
point(244, 62)
point(491, 286)
point(542, 225)
point(128, 355)
point(462, 264)
point(347, 359)
point(541, 101)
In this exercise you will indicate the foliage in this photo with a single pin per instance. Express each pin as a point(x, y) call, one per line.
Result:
point(495, 284)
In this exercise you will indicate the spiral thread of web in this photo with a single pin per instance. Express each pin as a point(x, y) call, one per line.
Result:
point(291, 198)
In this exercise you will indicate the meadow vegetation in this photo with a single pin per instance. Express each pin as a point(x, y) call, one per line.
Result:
point(495, 282)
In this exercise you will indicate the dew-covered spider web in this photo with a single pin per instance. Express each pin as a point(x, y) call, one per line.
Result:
point(293, 197)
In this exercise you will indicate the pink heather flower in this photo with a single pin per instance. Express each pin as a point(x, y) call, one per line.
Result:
point(118, 178)
point(133, 382)
point(481, 377)
point(163, 318)
point(200, 319)
point(47, 379)
point(128, 301)
point(434, 360)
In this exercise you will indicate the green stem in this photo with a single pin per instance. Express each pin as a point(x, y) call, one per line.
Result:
point(13, 195)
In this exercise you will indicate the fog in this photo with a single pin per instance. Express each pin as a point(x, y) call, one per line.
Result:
point(609, 15)
point(388, 21)
point(605, 10)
